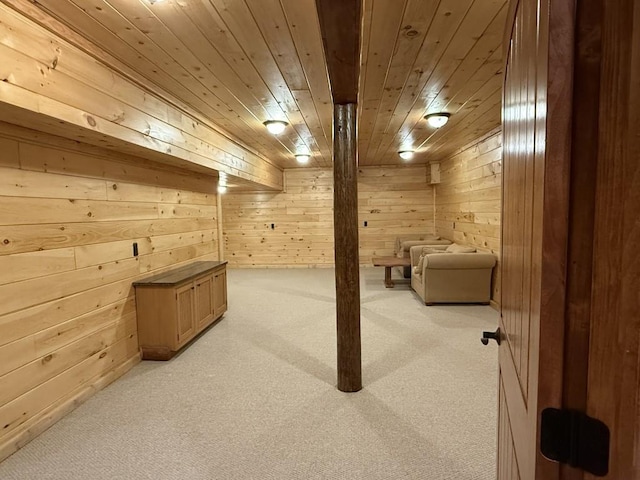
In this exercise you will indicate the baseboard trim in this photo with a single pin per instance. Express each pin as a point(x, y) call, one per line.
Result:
point(52, 414)
point(282, 267)
point(495, 305)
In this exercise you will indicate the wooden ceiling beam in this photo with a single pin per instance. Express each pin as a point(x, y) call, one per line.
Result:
point(340, 24)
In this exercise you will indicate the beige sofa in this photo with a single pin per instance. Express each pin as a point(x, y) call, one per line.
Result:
point(405, 242)
point(459, 275)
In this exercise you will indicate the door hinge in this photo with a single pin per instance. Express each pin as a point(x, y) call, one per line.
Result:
point(573, 437)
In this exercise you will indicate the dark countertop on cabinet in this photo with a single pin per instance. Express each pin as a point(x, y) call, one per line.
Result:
point(179, 275)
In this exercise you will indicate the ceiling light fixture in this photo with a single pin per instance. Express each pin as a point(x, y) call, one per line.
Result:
point(222, 189)
point(406, 154)
point(302, 157)
point(275, 126)
point(437, 120)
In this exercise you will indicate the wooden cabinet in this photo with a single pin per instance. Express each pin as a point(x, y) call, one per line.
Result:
point(220, 293)
point(204, 301)
point(185, 318)
point(175, 306)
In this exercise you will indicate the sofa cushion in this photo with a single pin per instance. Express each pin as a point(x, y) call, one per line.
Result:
point(418, 268)
point(416, 237)
point(455, 248)
point(407, 244)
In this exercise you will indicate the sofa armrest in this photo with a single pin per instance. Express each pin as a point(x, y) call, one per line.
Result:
point(403, 238)
point(459, 261)
point(414, 253)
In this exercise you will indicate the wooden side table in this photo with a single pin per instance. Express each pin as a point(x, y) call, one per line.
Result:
point(388, 263)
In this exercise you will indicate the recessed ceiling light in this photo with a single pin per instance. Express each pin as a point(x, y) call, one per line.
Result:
point(275, 126)
point(406, 154)
point(302, 157)
point(222, 189)
point(437, 120)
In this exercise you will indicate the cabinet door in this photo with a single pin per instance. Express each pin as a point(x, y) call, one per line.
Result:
point(204, 301)
point(220, 293)
point(185, 306)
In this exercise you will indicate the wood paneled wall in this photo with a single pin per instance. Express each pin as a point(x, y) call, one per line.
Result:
point(69, 215)
point(392, 200)
point(468, 199)
point(49, 84)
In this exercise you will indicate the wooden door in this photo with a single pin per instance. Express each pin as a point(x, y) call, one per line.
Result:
point(220, 293)
point(204, 301)
point(571, 271)
point(534, 236)
point(185, 313)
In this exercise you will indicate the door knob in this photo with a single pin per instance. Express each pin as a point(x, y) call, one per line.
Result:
point(486, 336)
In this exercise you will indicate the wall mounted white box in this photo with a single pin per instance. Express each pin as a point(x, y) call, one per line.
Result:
point(435, 173)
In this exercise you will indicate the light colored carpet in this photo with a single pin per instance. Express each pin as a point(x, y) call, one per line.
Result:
point(255, 396)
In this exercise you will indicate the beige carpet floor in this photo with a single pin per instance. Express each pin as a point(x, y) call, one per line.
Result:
point(255, 397)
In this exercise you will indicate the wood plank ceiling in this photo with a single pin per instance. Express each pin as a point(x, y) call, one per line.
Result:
point(241, 62)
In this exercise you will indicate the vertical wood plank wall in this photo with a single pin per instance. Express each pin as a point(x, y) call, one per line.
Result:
point(69, 214)
point(468, 199)
point(392, 200)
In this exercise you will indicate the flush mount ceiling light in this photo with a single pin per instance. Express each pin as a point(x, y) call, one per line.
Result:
point(406, 154)
point(437, 120)
point(275, 126)
point(302, 157)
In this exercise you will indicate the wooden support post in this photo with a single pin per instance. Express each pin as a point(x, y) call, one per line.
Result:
point(340, 25)
point(345, 219)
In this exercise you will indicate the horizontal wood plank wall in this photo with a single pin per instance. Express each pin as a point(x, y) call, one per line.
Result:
point(468, 198)
point(392, 200)
point(68, 220)
point(53, 86)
